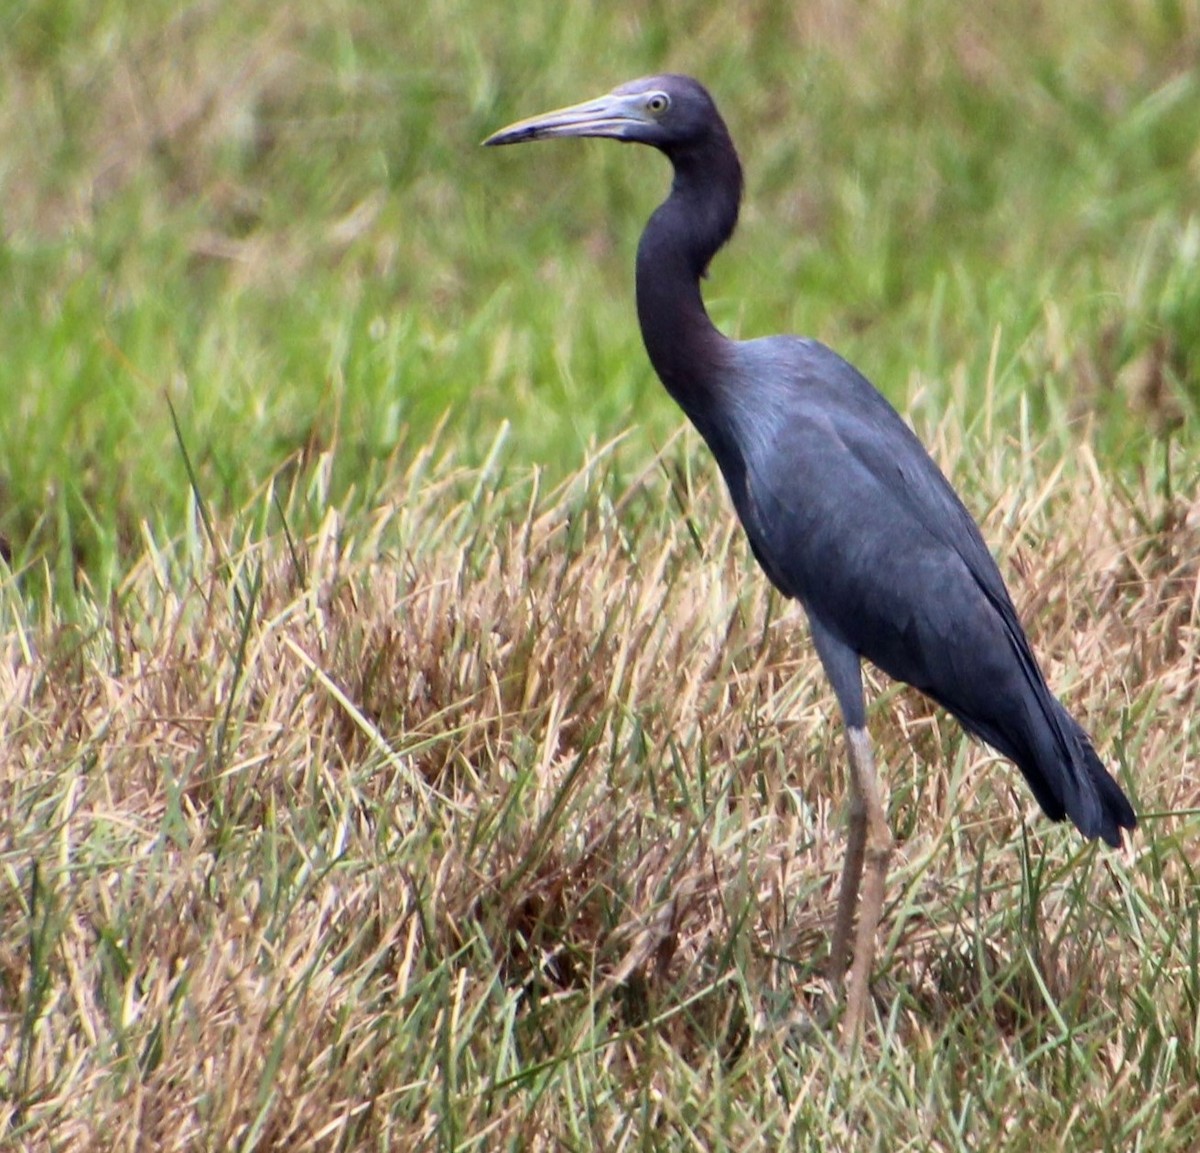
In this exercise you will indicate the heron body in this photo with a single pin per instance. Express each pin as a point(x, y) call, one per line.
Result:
point(844, 509)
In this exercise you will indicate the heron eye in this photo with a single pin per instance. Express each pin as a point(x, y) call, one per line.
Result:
point(658, 103)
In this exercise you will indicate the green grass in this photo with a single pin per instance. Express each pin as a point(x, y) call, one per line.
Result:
point(280, 220)
point(398, 748)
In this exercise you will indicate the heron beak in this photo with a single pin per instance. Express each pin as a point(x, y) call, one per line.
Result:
point(612, 115)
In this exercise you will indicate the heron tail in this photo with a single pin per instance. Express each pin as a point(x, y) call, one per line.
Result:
point(1102, 809)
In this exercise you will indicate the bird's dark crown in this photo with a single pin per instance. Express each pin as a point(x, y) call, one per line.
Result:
point(690, 115)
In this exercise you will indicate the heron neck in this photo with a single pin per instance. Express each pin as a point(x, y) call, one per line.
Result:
point(683, 235)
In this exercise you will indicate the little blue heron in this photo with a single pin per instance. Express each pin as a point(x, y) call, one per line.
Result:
point(844, 509)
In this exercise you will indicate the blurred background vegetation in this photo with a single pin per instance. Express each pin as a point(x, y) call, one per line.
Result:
point(275, 220)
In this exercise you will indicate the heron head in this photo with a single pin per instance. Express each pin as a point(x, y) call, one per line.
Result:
point(668, 112)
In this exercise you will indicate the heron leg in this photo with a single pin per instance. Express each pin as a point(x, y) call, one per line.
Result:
point(867, 857)
point(852, 870)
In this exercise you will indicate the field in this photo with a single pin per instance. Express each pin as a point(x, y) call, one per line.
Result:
point(399, 748)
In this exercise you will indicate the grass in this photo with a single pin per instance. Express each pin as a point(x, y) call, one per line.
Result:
point(399, 748)
point(508, 817)
point(280, 220)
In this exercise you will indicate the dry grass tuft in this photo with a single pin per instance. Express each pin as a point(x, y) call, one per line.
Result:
point(507, 817)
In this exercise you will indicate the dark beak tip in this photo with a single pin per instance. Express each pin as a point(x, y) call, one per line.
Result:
point(504, 136)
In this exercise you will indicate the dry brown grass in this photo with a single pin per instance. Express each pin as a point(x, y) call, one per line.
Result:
point(497, 818)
